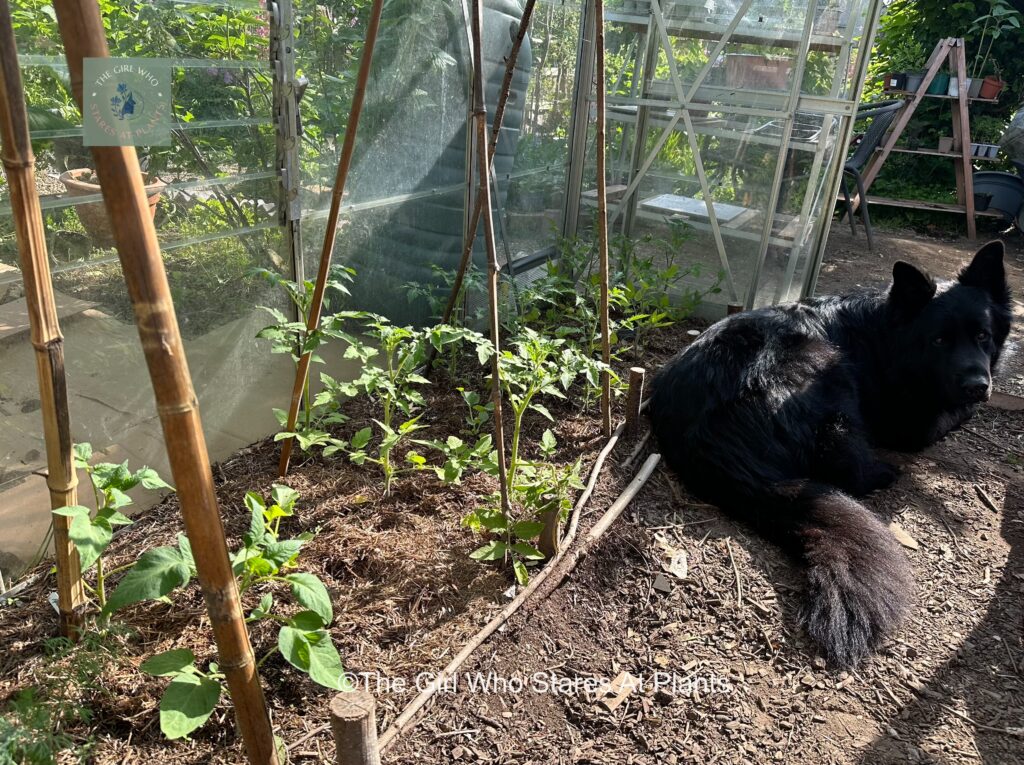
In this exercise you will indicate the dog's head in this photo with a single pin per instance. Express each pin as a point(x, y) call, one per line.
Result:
point(953, 332)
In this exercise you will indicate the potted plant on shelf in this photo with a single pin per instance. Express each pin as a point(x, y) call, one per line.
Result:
point(1002, 18)
point(904, 67)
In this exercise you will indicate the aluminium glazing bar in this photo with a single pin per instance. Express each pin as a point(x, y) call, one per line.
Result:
point(780, 163)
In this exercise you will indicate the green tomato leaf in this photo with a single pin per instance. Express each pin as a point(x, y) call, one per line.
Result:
point(311, 593)
point(281, 553)
point(258, 565)
point(548, 443)
point(492, 551)
point(527, 529)
point(522, 576)
point(325, 663)
point(72, 511)
point(113, 518)
point(173, 662)
point(188, 702)
point(266, 603)
point(284, 496)
point(528, 551)
point(116, 498)
point(313, 653)
point(257, 523)
point(543, 410)
point(156, 573)
point(362, 438)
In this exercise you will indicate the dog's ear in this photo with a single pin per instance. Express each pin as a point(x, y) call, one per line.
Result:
point(911, 288)
point(986, 272)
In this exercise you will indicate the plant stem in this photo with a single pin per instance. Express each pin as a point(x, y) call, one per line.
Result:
point(119, 569)
point(265, 656)
point(101, 593)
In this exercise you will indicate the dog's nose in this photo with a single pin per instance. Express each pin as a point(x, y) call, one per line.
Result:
point(976, 388)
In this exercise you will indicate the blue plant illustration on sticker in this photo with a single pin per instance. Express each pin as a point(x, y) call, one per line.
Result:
point(126, 105)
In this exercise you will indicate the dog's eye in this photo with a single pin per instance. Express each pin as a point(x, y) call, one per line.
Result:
point(938, 342)
point(982, 336)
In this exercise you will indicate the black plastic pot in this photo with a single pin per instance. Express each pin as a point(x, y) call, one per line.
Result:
point(1006, 191)
point(982, 201)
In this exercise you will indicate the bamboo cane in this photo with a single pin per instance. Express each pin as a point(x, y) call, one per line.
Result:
point(602, 217)
point(121, 182)
point(61, 479)
point(331, 233)
point(474, 219)
point(484, 195)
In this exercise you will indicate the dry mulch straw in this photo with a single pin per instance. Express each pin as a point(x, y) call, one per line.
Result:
point(406, 595)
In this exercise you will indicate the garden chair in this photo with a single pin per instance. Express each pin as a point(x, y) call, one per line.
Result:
point(883, 112)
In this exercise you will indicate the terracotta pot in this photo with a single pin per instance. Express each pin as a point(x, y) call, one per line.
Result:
point(895, 81)
point(991, 87)
point(93, 214)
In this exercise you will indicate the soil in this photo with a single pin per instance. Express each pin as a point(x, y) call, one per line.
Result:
point(695, 607)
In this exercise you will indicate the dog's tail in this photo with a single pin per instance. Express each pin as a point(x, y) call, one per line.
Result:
point(859, 580)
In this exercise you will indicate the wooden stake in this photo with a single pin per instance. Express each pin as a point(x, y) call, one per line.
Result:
point(354, 725)
point(633, 398)
point(331, 233)
point(121, 182)
point(602, 218)
point(61, 479)
point(550, 515)
point(474, 220)
point(573, 557)
point(484, 194)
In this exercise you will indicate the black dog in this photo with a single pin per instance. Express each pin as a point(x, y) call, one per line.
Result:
point(771, 414)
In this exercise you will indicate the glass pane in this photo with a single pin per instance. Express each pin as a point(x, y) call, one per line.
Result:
point(214, 196)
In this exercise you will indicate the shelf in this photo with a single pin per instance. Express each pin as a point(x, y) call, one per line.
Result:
point(713, 126)
point(942, 95)
point(937, 153)
point(703, 30)
point(745, 226)
point(916, 204)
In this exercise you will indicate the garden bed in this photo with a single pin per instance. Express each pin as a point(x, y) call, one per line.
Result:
point(406, 595)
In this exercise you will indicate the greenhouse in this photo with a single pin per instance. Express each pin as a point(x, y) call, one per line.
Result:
point(452, 381)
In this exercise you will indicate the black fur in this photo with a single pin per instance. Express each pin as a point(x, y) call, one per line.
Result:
point(771, 414)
